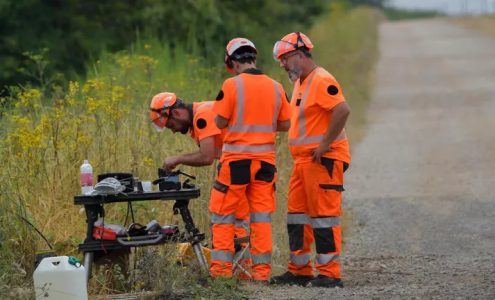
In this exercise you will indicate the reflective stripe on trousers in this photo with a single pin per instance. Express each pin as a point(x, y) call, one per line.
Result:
point(322, 222)
point(326, 258)
point(220, 255)
point(240, 223)
point(219, 219)
point(303, 139)
point(325, 222)
point(301, 259)
point(260, 217)
point(247, 254)
point(298, 218)
point(263, 258)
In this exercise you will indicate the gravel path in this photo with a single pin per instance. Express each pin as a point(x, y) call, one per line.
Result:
point(420, 184)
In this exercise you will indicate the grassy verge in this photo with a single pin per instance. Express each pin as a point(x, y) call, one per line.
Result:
point(105, 119)
point(483, 24)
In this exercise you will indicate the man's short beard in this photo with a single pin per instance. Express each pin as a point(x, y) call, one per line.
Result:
point(185, 127)
point(294, 73)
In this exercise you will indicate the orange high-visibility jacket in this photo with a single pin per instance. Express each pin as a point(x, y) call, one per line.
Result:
point(253, 103)
point(311, 103)
point(203, 125)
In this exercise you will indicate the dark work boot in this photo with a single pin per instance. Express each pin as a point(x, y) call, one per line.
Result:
point(205, 281)
point(289, 278)
point(324, 281)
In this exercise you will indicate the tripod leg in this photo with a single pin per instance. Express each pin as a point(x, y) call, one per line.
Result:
point(88, 263)
point(238, 265)
point(200, 255)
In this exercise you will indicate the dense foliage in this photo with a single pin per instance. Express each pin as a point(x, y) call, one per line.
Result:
point(76, 32)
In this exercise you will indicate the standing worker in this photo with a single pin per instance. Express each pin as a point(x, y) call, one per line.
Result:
point(252, 107)
point(320, 148)
point(168, 111)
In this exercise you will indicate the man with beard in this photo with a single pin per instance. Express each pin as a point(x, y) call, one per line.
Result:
point(168, 111)
point(319, 146)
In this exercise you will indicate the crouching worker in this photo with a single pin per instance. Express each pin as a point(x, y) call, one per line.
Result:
point(168, 111)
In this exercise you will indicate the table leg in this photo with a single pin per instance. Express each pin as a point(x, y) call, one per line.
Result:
point(92, 212)
point(88, 264)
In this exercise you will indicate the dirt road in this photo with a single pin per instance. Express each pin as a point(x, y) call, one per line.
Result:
point(422, 182)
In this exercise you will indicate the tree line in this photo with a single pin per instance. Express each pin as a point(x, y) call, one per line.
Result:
point(73, 33)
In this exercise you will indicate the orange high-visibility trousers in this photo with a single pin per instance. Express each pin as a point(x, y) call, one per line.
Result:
point(241, 230)
point(238, 179)
point(314, 210)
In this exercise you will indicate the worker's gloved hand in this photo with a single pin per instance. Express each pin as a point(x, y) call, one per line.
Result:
point(170, 163)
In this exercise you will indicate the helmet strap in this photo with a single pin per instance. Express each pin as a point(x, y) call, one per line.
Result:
point(299, 40)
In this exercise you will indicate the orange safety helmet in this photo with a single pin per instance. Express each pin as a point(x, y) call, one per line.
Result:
point(160, 109)
point(291, 42)
point(235, 44)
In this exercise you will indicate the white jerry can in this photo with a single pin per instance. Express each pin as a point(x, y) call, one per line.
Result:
point(56, 278)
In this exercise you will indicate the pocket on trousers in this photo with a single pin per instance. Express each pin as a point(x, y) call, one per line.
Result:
point(240, 171)
point(328, 163)
point(266, 172)
point(329, 200)
point(218, 193)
